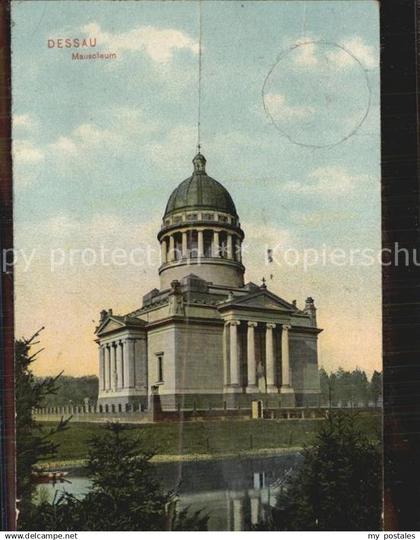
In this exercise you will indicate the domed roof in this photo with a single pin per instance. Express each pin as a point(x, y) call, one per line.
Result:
point(200, 190)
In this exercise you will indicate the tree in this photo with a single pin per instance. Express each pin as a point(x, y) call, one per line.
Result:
point(328, 387)
point(324, 382)
point(348, 388)
point(338, 486)
point(375, 390)
point(33, 441)
point(360, 386)
point(74, 390)
point(125, 494)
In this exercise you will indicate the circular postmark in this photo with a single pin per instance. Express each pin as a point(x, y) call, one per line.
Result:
point(317, 94)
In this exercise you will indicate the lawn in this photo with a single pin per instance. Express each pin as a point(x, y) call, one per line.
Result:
point(210, 437)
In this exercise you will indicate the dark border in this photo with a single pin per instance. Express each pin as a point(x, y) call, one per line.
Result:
point(401, 284)
point(7, 398)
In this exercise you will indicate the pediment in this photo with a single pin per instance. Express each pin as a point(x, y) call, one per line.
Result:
point(116, 322)
point(109, 325)
point(263, 299)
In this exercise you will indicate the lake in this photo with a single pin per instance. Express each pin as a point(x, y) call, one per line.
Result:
point(233, 492)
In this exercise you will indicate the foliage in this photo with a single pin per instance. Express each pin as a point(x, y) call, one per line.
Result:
point(125, 495)
point(338, 486)
point(34, 441)
point(73, 390)
point(350, 388)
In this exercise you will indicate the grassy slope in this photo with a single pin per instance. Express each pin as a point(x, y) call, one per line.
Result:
point(216, 437)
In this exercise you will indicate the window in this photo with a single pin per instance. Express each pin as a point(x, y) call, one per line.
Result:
point(192, 217)
point(160, 367)
point(208, 217)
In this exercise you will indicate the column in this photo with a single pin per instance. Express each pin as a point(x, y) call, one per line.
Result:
point(101, 367)
point(184, 245)
point(234, 354)
point(171, 248)
point(163, 251)
point(229, 247)
point(107, 368)
point(255, 509)
point(238, 249)
point(216, 244)
point(113, 367)
point(237, 515)
point(252, 368)
point(119, 360)
point(132, 354)
point(285, 360)
point(126, 363)
point(200, 244)
point(225, 355)
point(269, 359)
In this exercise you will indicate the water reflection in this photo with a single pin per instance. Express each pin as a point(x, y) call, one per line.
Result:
point(233, 492)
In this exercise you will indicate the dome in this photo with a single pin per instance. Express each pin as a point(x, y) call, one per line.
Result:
point(200, 191)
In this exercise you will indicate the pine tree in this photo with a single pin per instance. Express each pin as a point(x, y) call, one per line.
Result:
point(33, 440)
point(125, 493)
point(338, 487)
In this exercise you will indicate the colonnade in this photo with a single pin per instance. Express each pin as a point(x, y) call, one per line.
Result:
point(232, 357)
point(117, 365)
point(179, 245)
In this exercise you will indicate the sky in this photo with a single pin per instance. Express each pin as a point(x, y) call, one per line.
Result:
point(289, 125)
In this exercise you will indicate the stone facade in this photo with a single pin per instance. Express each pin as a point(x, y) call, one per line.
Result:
point(205, 339)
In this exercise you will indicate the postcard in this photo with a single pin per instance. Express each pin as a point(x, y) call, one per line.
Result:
point(197, 260)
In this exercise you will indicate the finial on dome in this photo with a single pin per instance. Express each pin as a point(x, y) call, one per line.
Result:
point(199, 161)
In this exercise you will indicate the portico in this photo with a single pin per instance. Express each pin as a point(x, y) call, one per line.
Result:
point(256, 351)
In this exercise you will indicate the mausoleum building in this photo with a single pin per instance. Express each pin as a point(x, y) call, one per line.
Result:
point(205, 339)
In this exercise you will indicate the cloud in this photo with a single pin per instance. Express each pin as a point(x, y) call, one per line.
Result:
point(28, 162)
point(329, 180)
point(25, 152)
point(309, 52)
point(280, 109)
point(83, 140)
point(64, 145)
point(159, 44)
point(359, 49)
point(124, 127)
point(22, 120)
